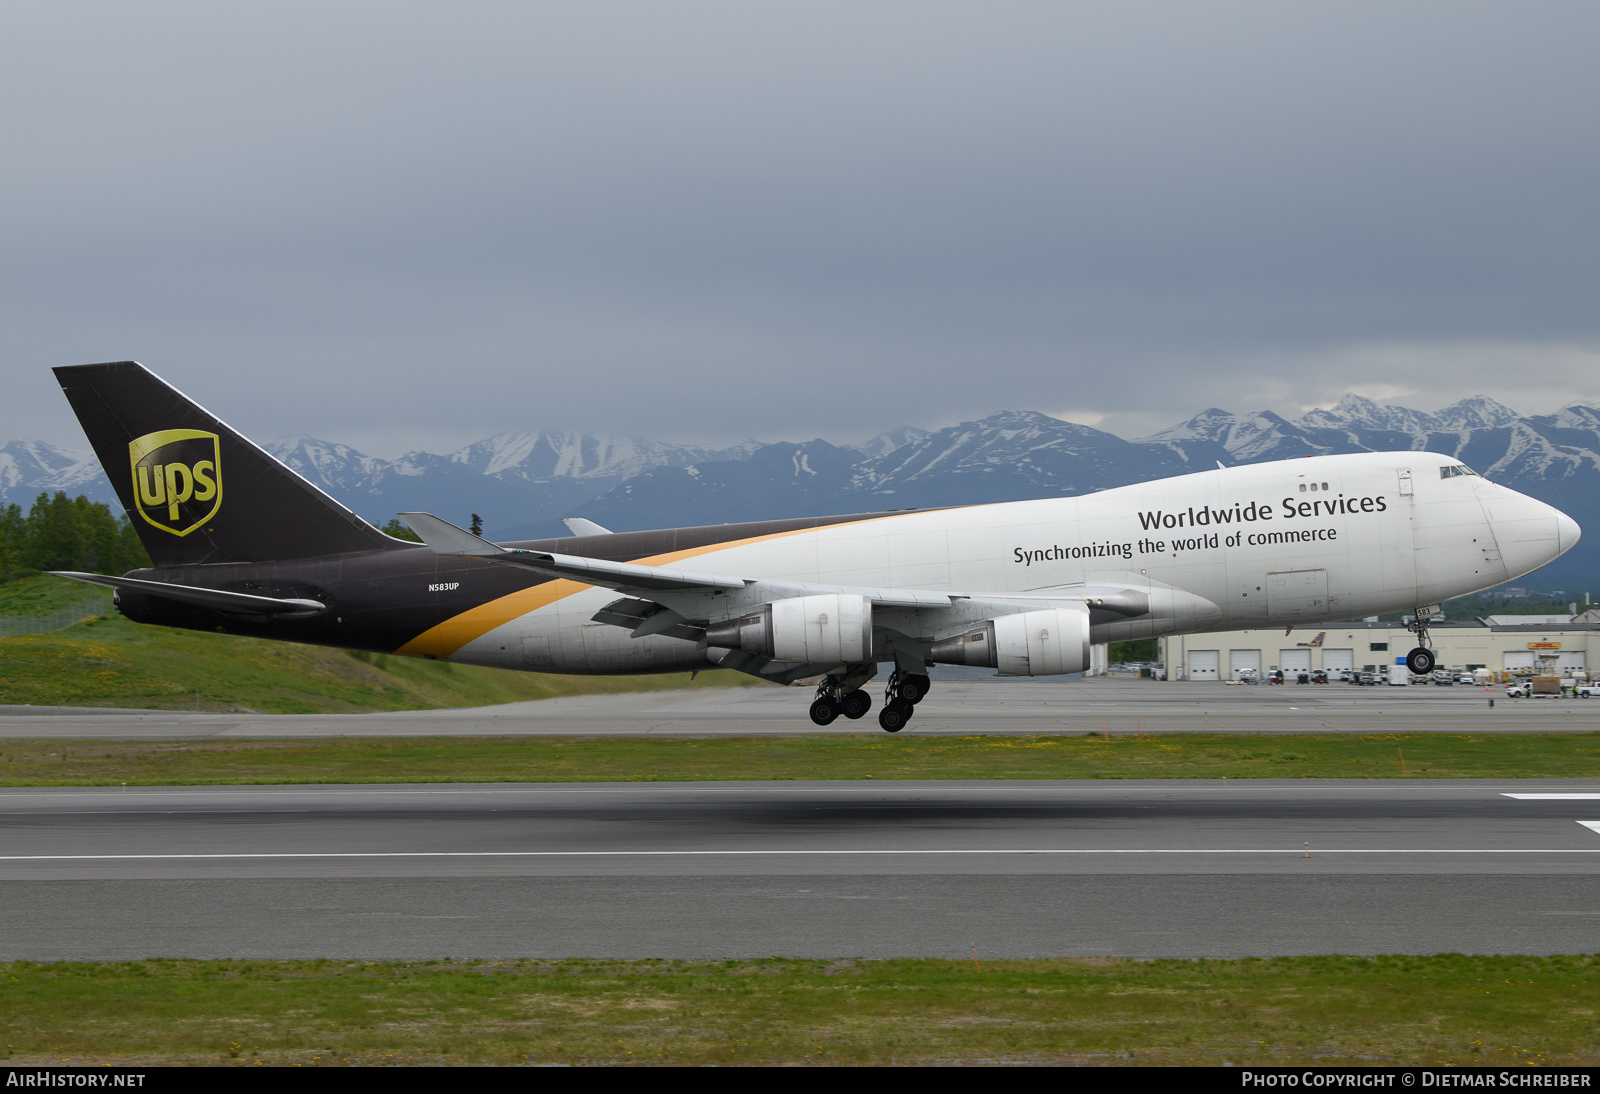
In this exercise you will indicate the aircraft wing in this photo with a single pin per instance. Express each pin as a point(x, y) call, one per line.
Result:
point(446, 539)
point(669, 601)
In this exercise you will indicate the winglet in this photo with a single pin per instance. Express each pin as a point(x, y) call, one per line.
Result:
point(446, 539)
point(578, 526)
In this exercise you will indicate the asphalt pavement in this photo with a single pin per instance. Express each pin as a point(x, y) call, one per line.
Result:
point(1015, 869)
point(1115, 705)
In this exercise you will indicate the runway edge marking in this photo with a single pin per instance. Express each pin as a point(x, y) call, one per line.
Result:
point(1295, 851)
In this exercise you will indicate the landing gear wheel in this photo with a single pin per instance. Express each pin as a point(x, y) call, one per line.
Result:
point(824, 711)
point(913, 689)
point(893, 718)
point(1420, 661)
point(856, 704)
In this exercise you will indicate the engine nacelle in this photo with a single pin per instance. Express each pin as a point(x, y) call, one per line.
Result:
point(1041, 643)
point(827, 627)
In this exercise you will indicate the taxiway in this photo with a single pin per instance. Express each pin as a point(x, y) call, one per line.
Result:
point(1115, 705)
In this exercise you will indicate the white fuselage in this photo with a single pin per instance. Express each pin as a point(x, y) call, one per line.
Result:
point(1289, 543)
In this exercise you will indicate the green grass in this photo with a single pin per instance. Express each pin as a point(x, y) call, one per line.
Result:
point(42, 594)
point(58, 762)
point(1446, 1009)
point(110, 662)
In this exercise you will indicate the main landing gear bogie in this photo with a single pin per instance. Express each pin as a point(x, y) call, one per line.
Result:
point(905, 691)
point(838, 695)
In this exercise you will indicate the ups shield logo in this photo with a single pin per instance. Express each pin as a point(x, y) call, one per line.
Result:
point(177, 478)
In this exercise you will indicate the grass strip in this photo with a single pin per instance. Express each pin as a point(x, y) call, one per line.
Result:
point(110, 662)
point(1443, 1009)
point(41, 594)
point(57, 762)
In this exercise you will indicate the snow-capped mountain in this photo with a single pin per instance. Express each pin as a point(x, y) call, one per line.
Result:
point(540, 455)
point(1010, 452)
point(884, 443)
point(29, 467)
point(524, 482)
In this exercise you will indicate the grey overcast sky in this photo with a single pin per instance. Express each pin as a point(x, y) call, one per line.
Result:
point(413, 225)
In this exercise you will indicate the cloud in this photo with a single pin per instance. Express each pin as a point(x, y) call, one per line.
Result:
point(704, 221)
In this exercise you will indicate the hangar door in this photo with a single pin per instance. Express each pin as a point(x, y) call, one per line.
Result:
point(1518, 659)
point(1334, 660)
point(1295, 660)
point(1239, 660)
point(1572, 661)
point(1203, 664)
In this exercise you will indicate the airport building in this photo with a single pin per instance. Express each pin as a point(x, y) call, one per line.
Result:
point(1543, 644)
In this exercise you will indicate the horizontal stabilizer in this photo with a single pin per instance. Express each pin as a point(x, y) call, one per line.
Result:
point(219, 599)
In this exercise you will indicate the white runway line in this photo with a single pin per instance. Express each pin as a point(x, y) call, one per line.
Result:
point(1593, 826)
point(1297, 852)
point(1554, 797)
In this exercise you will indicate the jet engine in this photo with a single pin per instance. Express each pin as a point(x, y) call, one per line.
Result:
point(1039, 643)
point(827, 627)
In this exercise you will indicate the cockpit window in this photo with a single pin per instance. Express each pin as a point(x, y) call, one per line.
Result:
point(1453, 471)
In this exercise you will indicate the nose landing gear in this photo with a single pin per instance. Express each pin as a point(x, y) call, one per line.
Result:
point(1421, 660)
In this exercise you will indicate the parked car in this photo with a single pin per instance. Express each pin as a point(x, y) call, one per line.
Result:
point(1587, 691)
point(1319, 677)
point(1466, 678)
point(1368, 679)
point(1443, 678)
point(1518, 689)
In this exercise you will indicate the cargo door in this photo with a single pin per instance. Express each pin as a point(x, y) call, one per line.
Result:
point(1396, 556)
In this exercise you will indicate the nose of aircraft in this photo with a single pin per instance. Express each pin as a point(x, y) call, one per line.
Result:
point(1529, 532)
point(1567, 531)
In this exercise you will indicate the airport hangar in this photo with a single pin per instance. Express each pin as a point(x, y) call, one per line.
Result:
point(1553, 644)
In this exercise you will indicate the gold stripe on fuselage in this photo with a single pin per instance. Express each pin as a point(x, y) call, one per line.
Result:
point(444, 639)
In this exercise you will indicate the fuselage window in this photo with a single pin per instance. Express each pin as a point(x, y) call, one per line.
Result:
point(1302, 488)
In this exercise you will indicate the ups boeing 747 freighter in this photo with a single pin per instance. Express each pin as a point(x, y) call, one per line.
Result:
point(243, 545)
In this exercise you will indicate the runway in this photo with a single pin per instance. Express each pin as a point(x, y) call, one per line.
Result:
point(1017, 869)
point(990, 705)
